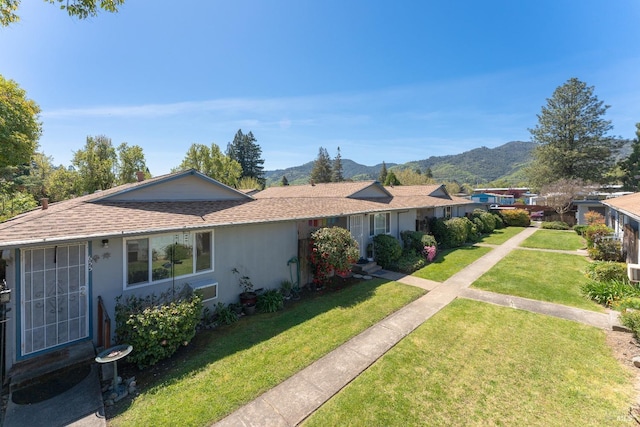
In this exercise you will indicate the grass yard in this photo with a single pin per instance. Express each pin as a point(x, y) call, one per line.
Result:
point(544, 276)
point(555, 239)
point(230, 366)
point(449, 261)
point(500, 236)
point(479, 364)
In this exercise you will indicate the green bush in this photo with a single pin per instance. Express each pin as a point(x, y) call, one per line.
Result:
point(626, 302)
point(631, 319)
point(516, 217)
point(224, 314)
point(602, 271)
point(595, 233)
point(333, 249)
point(555, 225)
point(270, 301)
point(499, 221)
point(606, 293)
point(416, 240)
point(454, 232)
point(606, 250)
point(485, 221)
point(580, 229)
point(387, 250)
point(409, 262)
point(157, 326)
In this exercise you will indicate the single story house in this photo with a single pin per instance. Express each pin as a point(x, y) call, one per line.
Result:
point(493, 198)
point(67, 262)
point(624, 218)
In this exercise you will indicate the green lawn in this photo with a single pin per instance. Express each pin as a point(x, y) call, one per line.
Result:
point(233, 365)
point(544, 276)
point(449, 261)
point(500, 236)
point(478, 364)
point(554, 239)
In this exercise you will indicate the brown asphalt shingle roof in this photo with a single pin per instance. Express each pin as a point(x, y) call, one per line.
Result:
point(629, 204)
point(94, 216)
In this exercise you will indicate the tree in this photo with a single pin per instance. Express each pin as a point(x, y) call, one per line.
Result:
point(429, 173)
point(213, 163)
point(284, 182)
point(62, 184)
point(19, 125)
point(78, 8)
point(245, 150)
point(130, 160)
point(96, 164)
point(571, 137)
point(382, 177)
point(411, 177)
point(336, 171)
point(391, 179)
point(561, 194)
point(630, 166)
point(321, 171)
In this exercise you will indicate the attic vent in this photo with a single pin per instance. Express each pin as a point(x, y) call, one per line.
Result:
point(633, 271)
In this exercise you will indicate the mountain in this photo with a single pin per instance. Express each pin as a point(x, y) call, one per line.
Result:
point(480, 165)
point(300, 174)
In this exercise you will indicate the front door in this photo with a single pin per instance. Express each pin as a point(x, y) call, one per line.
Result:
point(53, 297)
point(356, 226)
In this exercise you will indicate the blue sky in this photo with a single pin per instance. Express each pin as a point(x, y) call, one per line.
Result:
point(389, 81)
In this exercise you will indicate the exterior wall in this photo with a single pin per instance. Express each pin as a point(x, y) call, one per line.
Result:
point(583, 208)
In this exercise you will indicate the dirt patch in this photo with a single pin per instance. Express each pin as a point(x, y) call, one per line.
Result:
point(625, 347)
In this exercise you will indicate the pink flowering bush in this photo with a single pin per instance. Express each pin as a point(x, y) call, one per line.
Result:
point(332, 250)
point(429, 253)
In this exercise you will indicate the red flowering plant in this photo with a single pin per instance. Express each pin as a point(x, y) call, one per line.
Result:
point(429, 253)
point(332, 250)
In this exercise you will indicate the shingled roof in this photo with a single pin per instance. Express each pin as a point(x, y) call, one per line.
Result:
point(127, 210)
point(628, 204)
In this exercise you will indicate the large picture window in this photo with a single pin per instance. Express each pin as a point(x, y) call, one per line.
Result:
point(379, 224)
point(165, 256)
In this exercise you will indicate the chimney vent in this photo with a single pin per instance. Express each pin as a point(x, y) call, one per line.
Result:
point(45, 203)
point(140, 176)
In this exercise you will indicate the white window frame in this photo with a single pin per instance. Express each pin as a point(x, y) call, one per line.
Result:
point(190, 235)
point(373, 231)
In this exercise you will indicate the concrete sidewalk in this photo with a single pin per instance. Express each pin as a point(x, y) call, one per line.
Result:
point(289, 403)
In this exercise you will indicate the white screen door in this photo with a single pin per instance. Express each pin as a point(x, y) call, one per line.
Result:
point(356, 227)
point(54, 297)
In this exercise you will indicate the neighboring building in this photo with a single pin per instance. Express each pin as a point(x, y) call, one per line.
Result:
point(624, 217)
point(183, 228)
point(493, 198)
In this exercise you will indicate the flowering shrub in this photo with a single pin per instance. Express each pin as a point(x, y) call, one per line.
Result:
point(332, 249)
point(429, 253)
point(157, 326)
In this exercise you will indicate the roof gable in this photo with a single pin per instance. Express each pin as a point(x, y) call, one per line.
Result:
point(353, 190)
point(184, 186)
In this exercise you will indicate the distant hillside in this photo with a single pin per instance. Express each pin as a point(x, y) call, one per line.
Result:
point(480, 165)
point(300, 174)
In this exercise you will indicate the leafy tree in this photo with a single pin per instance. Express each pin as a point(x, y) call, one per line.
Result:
point(561, 194)
point(96, 164)
point(284, 182)
point(321, 171)
point(78, 8)
point(63, 183)
point(382, 177)
point(245, 150)
point(19, 125)
point(630, 166)
point(36, 176)
point(213, 163)
point(247, 183)
point(429, 173)
point(130, 160)
point(411, 177)
point(336, 172)
point(571, 137)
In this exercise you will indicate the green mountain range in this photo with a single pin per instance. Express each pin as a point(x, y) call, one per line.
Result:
point(482, 165)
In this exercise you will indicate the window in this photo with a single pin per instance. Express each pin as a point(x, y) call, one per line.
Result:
point(168, 255)
point(447, 211)
point(379, 223)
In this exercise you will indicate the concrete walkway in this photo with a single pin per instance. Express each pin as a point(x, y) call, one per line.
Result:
point(290, 402)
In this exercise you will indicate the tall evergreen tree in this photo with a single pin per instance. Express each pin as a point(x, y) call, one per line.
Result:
point(284, 182)
point(245, 150)
point(630, 166)
point(571, 137)
point(382, 177)
point(336, 172)
point(321, 171)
